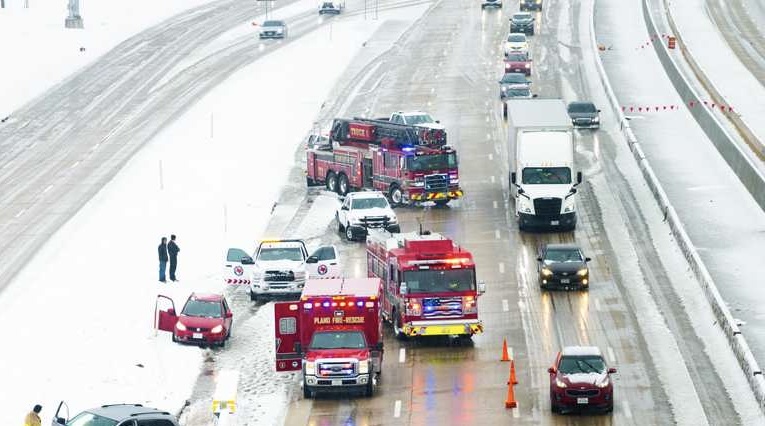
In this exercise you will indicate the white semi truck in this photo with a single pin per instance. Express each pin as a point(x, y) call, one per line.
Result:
point(543, 174)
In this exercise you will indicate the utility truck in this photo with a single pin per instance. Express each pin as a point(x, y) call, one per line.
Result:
point(543, 175)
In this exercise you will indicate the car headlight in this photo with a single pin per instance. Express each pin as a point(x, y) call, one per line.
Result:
point(524, 204)
point(179, 326)
point(217, 329)
point(603, 383)
point(279, 30)
point(310, 368)
point(546, 272)
point(364, 367)
point(417, 184)
point(299, 275)
point(582, 272)
point(596, 119)
point(528, 65)
point(559, 383)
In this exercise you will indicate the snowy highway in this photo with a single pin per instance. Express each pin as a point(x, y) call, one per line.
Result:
point(644, 309)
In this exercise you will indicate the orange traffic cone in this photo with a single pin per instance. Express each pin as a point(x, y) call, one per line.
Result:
point(510, 401)
point(513, 380)
point(505, 356)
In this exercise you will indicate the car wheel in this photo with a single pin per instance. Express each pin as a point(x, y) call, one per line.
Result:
point(253, 296)
point(307, 393)
point(369, 390)
point(348, 233)
point(331, 182)
point(395, 195)
point(222, 343)
point(342, 185)
point(172, 336)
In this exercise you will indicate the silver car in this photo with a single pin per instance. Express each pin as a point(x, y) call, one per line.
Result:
point(273, 29)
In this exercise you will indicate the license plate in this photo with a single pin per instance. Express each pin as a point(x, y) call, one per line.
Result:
point(337, 382)
point(565, 281)
point(554, 222)
point(196, 335)
point(582, 400)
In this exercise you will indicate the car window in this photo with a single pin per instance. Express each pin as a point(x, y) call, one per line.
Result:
point(516, 38)
point(581, 107)
point(563, 255)
point(369, 203)
point(281, 253)
point(90, 419)
point(419, 119)
point(546, 175)
point(338, 340)
point(582, 364)
point(155, 422)
point(202, 308)
point(514, 78)
point(325, 253)
point(518, 57)
point(235, 255)
point(273, 24)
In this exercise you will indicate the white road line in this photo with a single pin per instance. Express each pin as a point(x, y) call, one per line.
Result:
point(611, 356)
point(95, 147)
point(501, 268)
point(76, 163)
point(397, 409)
point(626, 409)
point(505, 305)
point(493, 179)
point(18, 215)
point(48, 188)
point(491, 157)
point(496, 234)
point(510, 352)
point(516, 412)
point(495, 204)
point(597, 305)
point(402, 355)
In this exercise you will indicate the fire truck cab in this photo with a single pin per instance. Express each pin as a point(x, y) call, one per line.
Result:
point(429, 284)
point(408, 163)
point(333, 333)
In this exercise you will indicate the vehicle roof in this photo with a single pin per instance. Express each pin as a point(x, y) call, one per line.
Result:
point(538, 113)
point(121, 411)
point(581, 103)
point(356, 287)
point(562, 246)
point(581, 351)
point(366, 194)
point(545, 148)
point(206, 297)
point(516, 34)
point(524, 14)
point(417, 112)
point(273, 22)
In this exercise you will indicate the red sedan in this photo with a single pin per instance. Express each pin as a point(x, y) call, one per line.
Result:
point(580, 380)
point(518, 62)
point(205, 319)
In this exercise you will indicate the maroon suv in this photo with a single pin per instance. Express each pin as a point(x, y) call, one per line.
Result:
point(518, 62)
point(580, 380)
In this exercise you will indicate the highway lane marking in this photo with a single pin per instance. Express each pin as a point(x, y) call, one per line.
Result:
point(76, 163)
point(18, 215)
point(516, 412)
point(611, 356)
point(496, 234)
point(95, 147)
point(397, 409)
point(488, 135)
point(492, 179)
point(505, 305)
point(501, 268)
point(626, 408)
point(491, 157)
point(48, 188)
point(597, 305)
point(432, 90)
point(402, 355)
point(495, 204)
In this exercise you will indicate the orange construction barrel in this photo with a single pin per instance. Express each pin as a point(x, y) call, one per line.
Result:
point(671, 41)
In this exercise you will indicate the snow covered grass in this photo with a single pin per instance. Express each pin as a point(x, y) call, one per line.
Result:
point(86, 300)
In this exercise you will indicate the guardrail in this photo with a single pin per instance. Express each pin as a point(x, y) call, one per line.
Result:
point(728, 325)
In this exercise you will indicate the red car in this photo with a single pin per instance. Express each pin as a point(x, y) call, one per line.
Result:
point(580, 380)
point(205, 319)
point(518, 62)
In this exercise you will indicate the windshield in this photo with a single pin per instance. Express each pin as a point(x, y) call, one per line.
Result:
point(369, 203)
point(546, 175)
point(202, 308)
point(433, 280)
point(582, 364)
point(517, 57)
point(418, 119)
point(516, 38)
point(90, 419)
point(581, 107)
point(522, 16)
point(281, 253)
point(518, 92)
point(563, 255)
point(514, 78)
point(338, 340)
point(273, 24)
point(431, 162)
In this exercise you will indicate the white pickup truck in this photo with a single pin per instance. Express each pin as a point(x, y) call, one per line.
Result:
point(415, 118)
point(361, 211)
point(279, 267)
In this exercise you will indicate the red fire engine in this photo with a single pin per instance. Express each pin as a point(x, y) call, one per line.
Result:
point(333, 333)
point(409, 163)
point(429, 285)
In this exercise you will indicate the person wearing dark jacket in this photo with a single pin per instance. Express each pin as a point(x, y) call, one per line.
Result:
point(172, 250)
point(162, 249)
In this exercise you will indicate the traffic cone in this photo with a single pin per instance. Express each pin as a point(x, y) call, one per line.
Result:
point(505, 356)
point(510, 402)
point(513, 379)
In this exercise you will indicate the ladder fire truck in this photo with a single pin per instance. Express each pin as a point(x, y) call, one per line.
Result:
point(429, 284)
point(408, 163)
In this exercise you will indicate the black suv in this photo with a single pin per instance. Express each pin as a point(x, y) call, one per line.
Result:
point(522, 22)
point(116, 415)
point(531, 4)
point(584, 114)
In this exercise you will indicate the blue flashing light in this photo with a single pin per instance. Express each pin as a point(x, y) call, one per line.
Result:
point(307, 305)
point(325, 304)
point(408, 148)
point(360, 303)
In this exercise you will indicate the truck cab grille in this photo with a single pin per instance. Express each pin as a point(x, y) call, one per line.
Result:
point(374, 221)
point(280, 276)
point(437, 182)
point(547, 206)
point(336, 369)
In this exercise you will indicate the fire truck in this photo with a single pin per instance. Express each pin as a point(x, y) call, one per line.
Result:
point(429, 284)
point(408, 163)
point(333, 333)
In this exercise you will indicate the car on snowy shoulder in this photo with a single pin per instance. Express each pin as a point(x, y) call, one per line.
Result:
point(415, 118)
point(330, 8)
point(114, 415)
point(522, 22)
point(584, 115)
point(518, 62)
point(361, 211)
point(516, 42)
point(205, 320)
point(581, 380)
point(273, 29)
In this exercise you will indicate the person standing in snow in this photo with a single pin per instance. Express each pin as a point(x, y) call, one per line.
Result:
point(172, 250)
point(33, 418)
point(162, 249)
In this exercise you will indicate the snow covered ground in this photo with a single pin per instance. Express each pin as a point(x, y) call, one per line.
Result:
point(38, 51)
point(211, 178)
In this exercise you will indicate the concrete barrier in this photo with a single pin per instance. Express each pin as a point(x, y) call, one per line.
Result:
point(728, 325)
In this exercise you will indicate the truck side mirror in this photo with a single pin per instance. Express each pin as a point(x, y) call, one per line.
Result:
point(534, 95)
point(439, 121)
point(481, 287)
point(60, 421)
point(402, 289)
point(312, 259)
point(539, 259)
point(552, 370)
point(587, 259)
point(298, 348)
point(344, 207)
point(611, 370)
point(578, 177)
point(512, 177)
point(247, 260)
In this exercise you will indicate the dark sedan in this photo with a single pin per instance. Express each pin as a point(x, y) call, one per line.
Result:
point(522, 22)
point(512, 80)
point(563, 266)
point(584, 114)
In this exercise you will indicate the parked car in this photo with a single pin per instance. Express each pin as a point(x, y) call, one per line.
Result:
point(581, 380)
point(563, 266)
point(516, 42)
point(330, 7)
point(361, 211)
point(522, 22)
point(205, 319)
point(115, 415)
point(491, 3)
point(273, 29)
point(584, 114)
point(518, 62)
point(531, 5)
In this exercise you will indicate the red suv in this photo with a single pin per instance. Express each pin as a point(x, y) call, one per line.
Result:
point(205, 319)
point(580, 380)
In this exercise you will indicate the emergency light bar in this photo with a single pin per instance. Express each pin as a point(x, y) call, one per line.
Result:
point(436, 261)
point(328, 304)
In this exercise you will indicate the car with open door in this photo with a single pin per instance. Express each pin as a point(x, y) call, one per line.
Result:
point(114, 415)
point(205, 319)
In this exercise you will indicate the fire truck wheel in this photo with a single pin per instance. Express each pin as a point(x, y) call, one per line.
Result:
point(441, 203)
point(395, 195)
point(342, 185)
point(331, 182)
point(397, 329)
